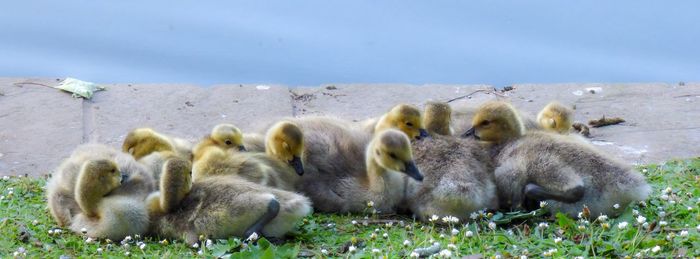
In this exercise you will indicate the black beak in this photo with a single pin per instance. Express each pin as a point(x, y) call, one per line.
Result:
point(412, 171)
point(423, 134)
point(297, 165)
point(124, 178)
point(242, 148)
point(470, 132)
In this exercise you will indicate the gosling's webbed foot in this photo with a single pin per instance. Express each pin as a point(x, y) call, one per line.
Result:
point(538, 193)
point(273, 208)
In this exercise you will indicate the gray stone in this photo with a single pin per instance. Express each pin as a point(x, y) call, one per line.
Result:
point(361, 101)
point(184, 111)
point(662, 121)
point(40, 126)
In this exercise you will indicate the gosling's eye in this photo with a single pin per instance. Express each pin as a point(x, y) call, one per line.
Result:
point(392, 155)
point(410, 124)
point(485, 123)
point(228, 142)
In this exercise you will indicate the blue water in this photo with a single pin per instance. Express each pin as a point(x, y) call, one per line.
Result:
point(315, 42)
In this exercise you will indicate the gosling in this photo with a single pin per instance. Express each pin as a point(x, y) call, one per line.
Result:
point(220, 207)
point(539, 166)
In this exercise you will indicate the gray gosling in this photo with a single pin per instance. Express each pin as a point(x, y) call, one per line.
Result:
point(220, 207)
point(60, 189)
point(539, 166)
point(458, 172)
point(388, 160)
point(106, 215)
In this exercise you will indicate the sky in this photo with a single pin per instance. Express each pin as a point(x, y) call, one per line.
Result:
point(307, 43)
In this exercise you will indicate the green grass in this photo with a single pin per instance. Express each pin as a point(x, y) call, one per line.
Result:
point(25, 225)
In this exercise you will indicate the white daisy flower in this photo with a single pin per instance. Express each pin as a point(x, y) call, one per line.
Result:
point(557, 240)
point(455, 232)
point(622, 225)
point(469, 233)
point(663, 223)
point(492, 225)
point(352, 249)
point(641, 219)
point(445, 253)
point(414, 255)
point(616, 206)
point(406, 243)
point(656, 249)
point(684, 233)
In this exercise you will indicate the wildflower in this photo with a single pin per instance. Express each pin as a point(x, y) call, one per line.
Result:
point(641, 219)
point(497, 256)
point(89, 240)
point(543, 225)
point(376, 251)
point(602, 218)
point(6, 178)
point(616, 206)
point(252, 237)
point(126, 239)
point(414, 255)
point(670, 236)
point(99, 250)
point(352, 249)
point(581, 227)
point(635, 212)
point(433, 218)
point(579, 257)
point(663, 223)
point(656, 249)
point(645, 170)
point(645, 225)
point(622, 225)
point(523, 257)
point(196, 245)
point(164, 242)
point(442, 236)
point(386, 235)
point(698, 228)
point(605, 225)
point(469, 233)
point(324, 251)
point(142, 246)
point(662, 214)
point(455, 231)
point(200, 252)
point(667, 190)
point(690, 208)
point(450, 219)
point(137, 236)
point(50, 232)
point(126, 245)
point(406, 243)
point(492, 225)
point(445, 253)
point(209, 243)
point(354, 222)
point(684, 233)
point(473, 215)
point(557, 240)
point(35, 222)
point(370, 204)
point(373, 236)
point(664, 197)
point(672, 202)
point(10, 193)
point(452, 246)
point(389, 224)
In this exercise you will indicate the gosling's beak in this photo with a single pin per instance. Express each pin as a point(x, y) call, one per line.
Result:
point(124, 178)
point(470, 132)
point(412, 171)
point(423, 134)
point(242, 148)
point(297, 165)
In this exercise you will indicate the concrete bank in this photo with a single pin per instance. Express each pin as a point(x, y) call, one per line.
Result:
point(39, 126)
